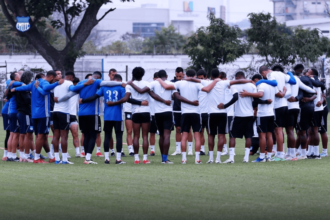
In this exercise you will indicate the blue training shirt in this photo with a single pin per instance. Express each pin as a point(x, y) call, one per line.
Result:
point(5, 109)
point(113, 94)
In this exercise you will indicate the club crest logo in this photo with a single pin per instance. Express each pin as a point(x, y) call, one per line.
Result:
point(188, 6)
point(23, 24)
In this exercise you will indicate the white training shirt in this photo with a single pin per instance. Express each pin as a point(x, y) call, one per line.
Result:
point(203, 98)
point(74, 104)
point(190, 91)
point(140, 97)
point(160, 107)
point(228, 96)
point(59, 92)
point(269, 93)
point(281, 79)
point(217, 96)
point(318, 98)
point(243, 106)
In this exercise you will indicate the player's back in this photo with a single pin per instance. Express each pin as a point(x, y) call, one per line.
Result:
point(59, 92)
point(243, 106)
point(164, 94)
point(140, 97)
point(269, 93)
point(217, 96)
point(281, 79)
point(89, 108)
point(112, 94)
point(190, 91)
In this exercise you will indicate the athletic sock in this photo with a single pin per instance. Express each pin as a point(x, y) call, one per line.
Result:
point(184, 156)
point(218, 156)
point(197, 156)
point(34, 152)
point(310, 150)
point(152, 148)
point(316, 150)
point(27, 156)
point(118, 156)
point(65, 157)
point(231, 153)
point(293, 152)
point(145, 156)
point(190, 145)
point(136, 157)
point(98, 149)
point(325, 151)
point(106, 155)
point(225, 149)
point(5, 152)
point(112, 150)
point(203, 148)
point(57, 156)
point(178, 146)
point(50, 155)
point(262, 156)
point(130, 149)
point(247, 154)
point(303, 152)
point(77, 151)
point(82, 149)
point(211, 155)
point(36, 156)
point(52, 148)
point(269, 154)
point(20, 155)
point(88, 156)
point(275, 148)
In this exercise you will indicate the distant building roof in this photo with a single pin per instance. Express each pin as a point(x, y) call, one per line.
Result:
point(302, 22)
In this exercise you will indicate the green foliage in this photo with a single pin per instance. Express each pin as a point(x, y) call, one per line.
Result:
point(214, 45)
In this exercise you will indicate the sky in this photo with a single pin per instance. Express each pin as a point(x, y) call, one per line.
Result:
point(239, 9)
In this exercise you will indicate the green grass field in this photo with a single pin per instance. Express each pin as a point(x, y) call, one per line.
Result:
point(276, 190)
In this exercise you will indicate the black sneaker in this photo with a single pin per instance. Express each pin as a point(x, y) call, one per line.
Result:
point(131, 154)
point(311, 156)
point(317, 157)
point(123, 154)
point(16, 159)
point(120, 162)
point(10, 159)
point(107, 161)
point(202, 153)
point(112, 154)
point(152, 154)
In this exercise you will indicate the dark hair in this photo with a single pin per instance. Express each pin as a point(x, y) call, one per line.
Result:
point(263, 68)
point(191, 73)
point(162, 74)
point(118, 77)
point(178, 70)
point(98, 73)
point(55, 70)
point(112, 70)
point(256, 76)
point(315, 72)
point(76, 80)
point(240, 74)
point(201, 73)
point(51, 73)
point(40, 75)
point(156, 75)
point(26, 77)
point(88, 75)
point(298, 67)
point(278, 66)
point(215, 73)
point(138, 73)
point(13, 75)
point(223, 75)
point(70, 74)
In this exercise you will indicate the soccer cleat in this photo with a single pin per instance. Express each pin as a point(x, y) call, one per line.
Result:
point(67, 162)
point(137, 162)
point(167, 162)
point(210, 161)
point(52, 160)
point(4, 158)
point(218, 162)
point(146, 162)
point(245, 161)
point(317, 157)
point(224, 153)
point(57, 162)
point(107, 161)
point(294, 159)
point(82, 154)
point(10, 159)
point(202, 153)
point(259, 160)
point(324, 154)
point(277, 159)
point(229, 161)
point(176, 153)
point(29, 160)
point(89, 162)
point(39, 161)
point(198, 162)
point(16, 159)
point(99, 154)
point(288, 158)
point(301, 157)
point(310, 156)
point(120, 162)
point(190, 153)
point(31, 156)
point(269, 159)
point(123, 154)
point(43, 157)
point(184, 162)
point(152, 153)
point(112, 154)
point(131, 154)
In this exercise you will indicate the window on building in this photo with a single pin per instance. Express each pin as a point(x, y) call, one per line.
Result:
point(147, 29)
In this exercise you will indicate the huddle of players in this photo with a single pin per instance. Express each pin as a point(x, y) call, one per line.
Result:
point(203, 104)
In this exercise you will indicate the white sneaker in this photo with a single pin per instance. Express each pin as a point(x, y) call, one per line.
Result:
point(288, 158)
point(176, 153)
point(301, 157)
point(229, 161)
point(67, 162)
point(198, 162)
point(224, 153)
point(89, 162)
point(218, 161)
point(184, 162)
point(245, 161)
point(190, 153)
point(210, 161)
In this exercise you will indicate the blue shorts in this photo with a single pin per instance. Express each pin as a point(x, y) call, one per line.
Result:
point(25, 123)
point(14, 125)
point(6, 122)
point(41, 125)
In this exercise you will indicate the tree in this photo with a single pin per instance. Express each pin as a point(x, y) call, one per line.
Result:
point(37, 10)
point(214, 45)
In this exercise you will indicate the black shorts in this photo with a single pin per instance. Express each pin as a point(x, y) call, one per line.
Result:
point(324, 123)
point(164, 121)
point(25, 123)
point(73, 120)
point(317, 118)
point(117, 125)
point(89, 123)
point(280, 118)
point(41, 125)
point(13, 123)
point(177, 119)
point(61, 121)
point(265, 124)
point(241, 126)
point(6, 122)
point(292, 117)
point(153, 126)
point(191, 120)
point(305, 119)
point(140, 118)
point(205, 120)
point(218, 123)
point(128, 116)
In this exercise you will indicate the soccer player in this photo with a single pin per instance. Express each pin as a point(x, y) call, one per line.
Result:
point(40, 108)
point(324, 128)
point(6, 123)
point(153, 126)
